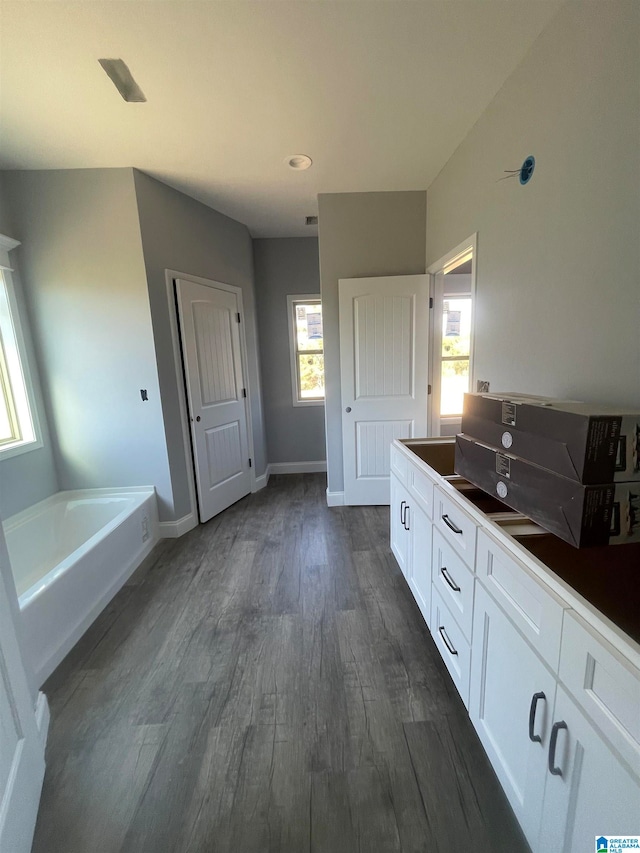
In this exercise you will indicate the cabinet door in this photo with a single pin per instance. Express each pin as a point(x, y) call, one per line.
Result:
point(400, 538)
point(511, 702)
point(420, 568)
point(597, 794)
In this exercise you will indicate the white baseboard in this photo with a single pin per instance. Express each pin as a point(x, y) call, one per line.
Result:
point(335, 498)
point(261, 481)
point(42, 717)
point(298, 467)
point(175, 529)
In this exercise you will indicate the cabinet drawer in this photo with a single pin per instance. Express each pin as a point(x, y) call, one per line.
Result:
point(421, 488)
point(531, 606)
point(399, 465)
point(452, 645)
point(604, 683)
point(457, 528)
point(454, 581)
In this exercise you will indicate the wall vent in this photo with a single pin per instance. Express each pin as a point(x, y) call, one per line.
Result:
point(311, 220)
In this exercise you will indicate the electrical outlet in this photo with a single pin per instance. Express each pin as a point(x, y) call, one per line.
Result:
point(482, 386)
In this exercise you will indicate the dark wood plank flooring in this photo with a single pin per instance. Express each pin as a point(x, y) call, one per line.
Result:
point(266, 684)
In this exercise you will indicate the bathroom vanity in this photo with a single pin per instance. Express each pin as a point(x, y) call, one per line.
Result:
point(541, 641)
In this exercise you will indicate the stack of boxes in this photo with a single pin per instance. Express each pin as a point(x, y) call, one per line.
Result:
point(571, 467)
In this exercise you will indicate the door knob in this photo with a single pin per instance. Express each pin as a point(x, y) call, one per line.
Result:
point(198, 418)
point(348, 409)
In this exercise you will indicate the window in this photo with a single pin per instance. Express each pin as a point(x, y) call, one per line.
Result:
point(452, 329)
point(307, 351)
point(456, 351)
point(18, 426)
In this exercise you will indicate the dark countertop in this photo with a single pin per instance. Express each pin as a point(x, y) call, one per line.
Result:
point(608, 576)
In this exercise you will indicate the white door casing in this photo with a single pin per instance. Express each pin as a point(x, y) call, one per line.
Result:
point(384, 332)
point(21, 744)
point(216, 394)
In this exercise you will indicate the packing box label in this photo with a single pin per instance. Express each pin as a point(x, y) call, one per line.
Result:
point(602, 514)
point(586, 443)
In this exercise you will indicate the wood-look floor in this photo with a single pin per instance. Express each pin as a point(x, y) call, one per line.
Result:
point(266, 684)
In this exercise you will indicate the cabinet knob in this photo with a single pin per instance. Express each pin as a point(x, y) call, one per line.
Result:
point(348, 409)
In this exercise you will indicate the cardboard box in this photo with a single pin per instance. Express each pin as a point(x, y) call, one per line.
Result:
point(587, 443)
point(605, 514)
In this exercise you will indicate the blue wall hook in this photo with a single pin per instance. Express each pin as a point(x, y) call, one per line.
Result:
point(526, 170)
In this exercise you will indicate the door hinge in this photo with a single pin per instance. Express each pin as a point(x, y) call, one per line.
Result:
point(431, 302)
point(244, 392)
point(428, 389)
point(250, 463)
point(238, 316)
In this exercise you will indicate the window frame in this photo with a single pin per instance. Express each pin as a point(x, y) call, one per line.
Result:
point(26, 407)
point(453, 419)
point(449, 424)
point(293, 300)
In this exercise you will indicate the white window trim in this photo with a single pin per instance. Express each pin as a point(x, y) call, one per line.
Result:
point(291, 300)
point(24, 446)
point(437, 273)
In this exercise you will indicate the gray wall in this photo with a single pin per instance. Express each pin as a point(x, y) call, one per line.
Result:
point(361, 234)
point(6, 219)
point(284, 267)
point(81, 262)
point(31, 476)
point(182, 234)
point(558, 302)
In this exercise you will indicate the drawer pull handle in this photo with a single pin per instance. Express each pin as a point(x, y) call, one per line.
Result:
point(445, 574)
point(405, 522)
point(402, 506)
point(451, 525)
point(532, 716)
point(555, 771)
point(446, 640)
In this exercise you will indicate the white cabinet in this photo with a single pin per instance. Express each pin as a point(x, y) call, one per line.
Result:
point(512, 695)
point(591, 792)
point(420, 567)
point(400, 535)
point(452, 645)
point(411, 544)
point(454, 581)
point(455, 524)
point(555, 704)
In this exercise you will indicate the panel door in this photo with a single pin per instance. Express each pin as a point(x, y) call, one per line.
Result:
point(383, 365)
point(21, 749)
point(216, 394)
point(594, 793)
point(506, 678)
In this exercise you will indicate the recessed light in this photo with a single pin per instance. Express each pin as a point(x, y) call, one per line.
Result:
point(298, 162)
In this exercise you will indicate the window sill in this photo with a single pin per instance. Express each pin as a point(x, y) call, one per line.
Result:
point(12, 450)
point(302, 403)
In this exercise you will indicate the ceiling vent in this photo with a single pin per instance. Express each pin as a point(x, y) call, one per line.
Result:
point(311, 220)
point(122, 79)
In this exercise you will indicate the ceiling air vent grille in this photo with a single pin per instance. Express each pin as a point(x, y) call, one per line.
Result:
point(311, 220)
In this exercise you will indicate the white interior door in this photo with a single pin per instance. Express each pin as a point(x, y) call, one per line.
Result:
point(21, 747)
point(384, 328)
point(216, 392)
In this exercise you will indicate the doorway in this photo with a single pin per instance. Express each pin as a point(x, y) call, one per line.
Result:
point(210, 318)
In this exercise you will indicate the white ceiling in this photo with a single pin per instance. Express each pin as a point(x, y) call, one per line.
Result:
point(379, 93)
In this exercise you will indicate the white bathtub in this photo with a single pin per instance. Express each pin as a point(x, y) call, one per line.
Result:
point(70, 554)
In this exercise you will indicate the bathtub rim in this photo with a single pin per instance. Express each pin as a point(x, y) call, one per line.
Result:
point(24, 516)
